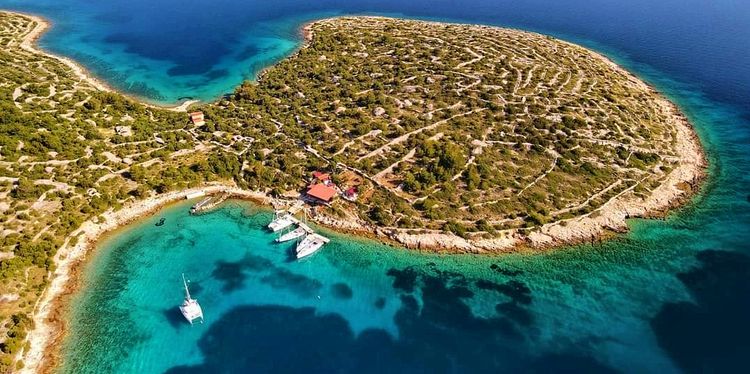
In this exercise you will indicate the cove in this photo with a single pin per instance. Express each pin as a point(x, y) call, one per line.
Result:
point(168, 51)
point(669, 296)
point(355, 305)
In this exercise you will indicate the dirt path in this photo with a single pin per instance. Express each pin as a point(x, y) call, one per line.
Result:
point(406, 136)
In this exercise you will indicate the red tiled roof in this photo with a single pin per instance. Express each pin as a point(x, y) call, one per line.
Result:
point(196, 116)
point(321, 176)
point(322, 192)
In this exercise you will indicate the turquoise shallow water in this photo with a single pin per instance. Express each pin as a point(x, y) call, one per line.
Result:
point(672, 295)
point(669, 296)
point(167, 50)
point(354, 298)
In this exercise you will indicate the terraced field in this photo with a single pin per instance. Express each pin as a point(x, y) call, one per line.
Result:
point(465, 128)
point(456, 137)
point(69, 151)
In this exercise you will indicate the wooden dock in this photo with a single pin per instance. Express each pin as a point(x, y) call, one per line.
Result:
point(208, 204)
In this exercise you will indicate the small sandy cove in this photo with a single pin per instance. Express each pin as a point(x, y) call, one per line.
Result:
point(29, 43)
point(82, 240)
point(610, 217)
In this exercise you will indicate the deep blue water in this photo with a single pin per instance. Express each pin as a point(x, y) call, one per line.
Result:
point(672, 295)
point(168, 49)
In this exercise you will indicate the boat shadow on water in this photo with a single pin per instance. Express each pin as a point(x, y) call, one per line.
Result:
point(175, 318)
point(290, 253)
point(173, 315)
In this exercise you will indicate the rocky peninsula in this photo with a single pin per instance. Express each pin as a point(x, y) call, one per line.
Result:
point(455, 138)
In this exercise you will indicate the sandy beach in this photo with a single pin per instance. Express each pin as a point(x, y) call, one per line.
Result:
point(81, 241)
point(42, 25)
point(610, 217)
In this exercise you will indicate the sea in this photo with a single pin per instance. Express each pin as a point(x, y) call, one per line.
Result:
point(672, 295)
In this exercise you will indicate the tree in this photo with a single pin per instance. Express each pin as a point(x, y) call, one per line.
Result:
point(473, 179)
point(137, 173)
point(224, 165)
point(410, 183)
point(27, 190)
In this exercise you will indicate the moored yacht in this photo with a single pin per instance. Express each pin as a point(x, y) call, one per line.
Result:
point(310, 244)
point(299, 232)
point(190, 308)
point(281, 222)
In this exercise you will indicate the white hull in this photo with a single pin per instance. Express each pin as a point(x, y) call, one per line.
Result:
point(310, 244)
point(191, 310)
point(282, 222)
point(297, 233)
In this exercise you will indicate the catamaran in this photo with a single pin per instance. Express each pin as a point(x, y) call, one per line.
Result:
point(297, 233)
point(281, 222)
point(310, 244)
point(190, 308)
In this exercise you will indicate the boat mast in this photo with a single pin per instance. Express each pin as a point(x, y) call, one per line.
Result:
point(299, 240)
point(184, 282)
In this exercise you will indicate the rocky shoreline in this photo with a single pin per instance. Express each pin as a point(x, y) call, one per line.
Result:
point(74, 251)
point(42, 25)
point(611, 217)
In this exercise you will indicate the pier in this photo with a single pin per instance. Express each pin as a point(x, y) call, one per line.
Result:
point(208, 203)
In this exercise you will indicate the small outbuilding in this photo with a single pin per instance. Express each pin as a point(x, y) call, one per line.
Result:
point(197, 118)
point(321, 177)
point(351, 194)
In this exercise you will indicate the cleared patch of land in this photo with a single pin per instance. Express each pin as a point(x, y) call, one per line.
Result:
point(490, 134)
point(456, 137)
point(69, 151)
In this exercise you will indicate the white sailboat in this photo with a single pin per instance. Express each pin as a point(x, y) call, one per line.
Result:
point(301, 230)
point(281, 222)
point(291, 235)
point(310, 244)
point(190, 308)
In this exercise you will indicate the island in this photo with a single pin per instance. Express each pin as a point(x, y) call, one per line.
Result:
point(435, 136)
